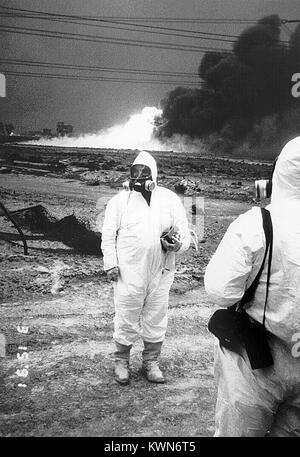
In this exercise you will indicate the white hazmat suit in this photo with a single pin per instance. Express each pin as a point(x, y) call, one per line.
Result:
point(131, 240)
point(254, 402)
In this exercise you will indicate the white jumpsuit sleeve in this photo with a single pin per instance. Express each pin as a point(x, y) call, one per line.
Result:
point(111, 225)
point(181, 222)
point(238, 255)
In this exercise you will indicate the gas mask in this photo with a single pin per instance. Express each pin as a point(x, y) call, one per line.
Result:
point(140, 179)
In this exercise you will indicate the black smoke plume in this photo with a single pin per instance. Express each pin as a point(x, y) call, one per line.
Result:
point(238, 89)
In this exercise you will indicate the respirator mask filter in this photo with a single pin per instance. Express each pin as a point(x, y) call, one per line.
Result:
point(263, 187)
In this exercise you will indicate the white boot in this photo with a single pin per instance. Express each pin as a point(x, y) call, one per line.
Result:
point(122, 355)
point(150, 362)
point(122, 373)
point(152, 371)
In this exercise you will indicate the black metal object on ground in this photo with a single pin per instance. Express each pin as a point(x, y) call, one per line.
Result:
point(70, 230)
point(4, 212)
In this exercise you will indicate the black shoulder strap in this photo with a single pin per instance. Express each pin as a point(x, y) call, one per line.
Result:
point(268, 229)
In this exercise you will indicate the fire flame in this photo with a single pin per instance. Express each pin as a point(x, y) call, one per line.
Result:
point(135, 134)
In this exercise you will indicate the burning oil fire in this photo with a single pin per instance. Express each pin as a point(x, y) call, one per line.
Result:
point(136, 134)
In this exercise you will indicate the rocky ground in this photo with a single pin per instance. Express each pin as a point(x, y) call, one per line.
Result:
point(59, 291)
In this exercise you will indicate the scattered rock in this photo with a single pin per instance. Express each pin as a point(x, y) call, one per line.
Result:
point(5, 170)
point(181, 187)
point(42, 270)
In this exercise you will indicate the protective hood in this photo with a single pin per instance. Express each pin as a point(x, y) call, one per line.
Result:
point(144, 158)
point(286, 177)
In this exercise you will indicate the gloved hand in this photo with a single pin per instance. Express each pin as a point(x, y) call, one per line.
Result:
point(113, 274)
point(174, 246)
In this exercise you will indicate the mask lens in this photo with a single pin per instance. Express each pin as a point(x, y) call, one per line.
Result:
point(140, 172)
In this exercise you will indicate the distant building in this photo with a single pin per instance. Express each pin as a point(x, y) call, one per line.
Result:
point(7, 134)
point(63, 129)
point(34, 133)
point(9, 129)
point(6, 129)
point(47, 133)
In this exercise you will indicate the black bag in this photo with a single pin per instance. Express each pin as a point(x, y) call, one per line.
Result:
point(235, 328)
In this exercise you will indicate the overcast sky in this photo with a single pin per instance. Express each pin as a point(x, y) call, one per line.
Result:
point(35, 103)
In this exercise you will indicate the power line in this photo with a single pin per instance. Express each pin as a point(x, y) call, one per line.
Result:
point(160, 19)
point(57, 65)
point(290, 21)
point(110, 40)
point(185, 20)
point(153, 19)
point(55, 17)
point(63, 17)
point(199, 35)
point(40, 14)
point(98, 79)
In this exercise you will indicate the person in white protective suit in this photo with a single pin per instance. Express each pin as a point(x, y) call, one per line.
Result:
point(263, 402)
point(141, 263)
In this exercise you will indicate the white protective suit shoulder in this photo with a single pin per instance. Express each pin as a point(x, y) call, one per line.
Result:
point(239, 255)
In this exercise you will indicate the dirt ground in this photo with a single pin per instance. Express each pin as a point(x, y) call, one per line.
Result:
point(61, 295)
